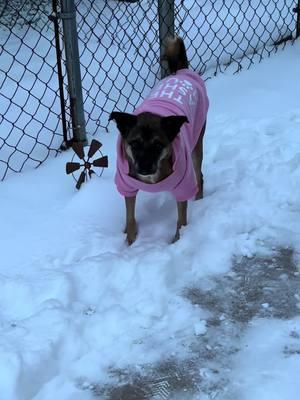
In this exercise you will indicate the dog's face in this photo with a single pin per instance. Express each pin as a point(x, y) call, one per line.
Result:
point(147, 139)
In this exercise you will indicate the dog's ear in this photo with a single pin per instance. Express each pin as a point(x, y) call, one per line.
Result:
point(125, 122)
point(171, 125)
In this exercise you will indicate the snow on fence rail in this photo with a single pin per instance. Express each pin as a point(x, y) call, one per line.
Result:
point(119, 47)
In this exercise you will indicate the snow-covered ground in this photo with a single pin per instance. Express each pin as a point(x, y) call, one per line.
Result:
point(82, 315)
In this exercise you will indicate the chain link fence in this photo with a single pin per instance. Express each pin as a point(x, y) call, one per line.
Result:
point(119, 47)
point(29, 103)
point(119, 55)
point(120, 44)
point(234, 32)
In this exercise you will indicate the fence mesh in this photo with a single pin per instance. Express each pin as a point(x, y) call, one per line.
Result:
point(238, 32)
point(119, 44)
point(29, 103)
point(119, 56)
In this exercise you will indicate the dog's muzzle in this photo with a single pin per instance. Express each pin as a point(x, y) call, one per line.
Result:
point(145, 168)
point(146, 172)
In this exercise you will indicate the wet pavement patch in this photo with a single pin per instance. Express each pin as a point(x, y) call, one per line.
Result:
point(258, 287)
point(158, 381)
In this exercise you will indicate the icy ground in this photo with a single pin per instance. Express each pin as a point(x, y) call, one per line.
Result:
point(214, 316)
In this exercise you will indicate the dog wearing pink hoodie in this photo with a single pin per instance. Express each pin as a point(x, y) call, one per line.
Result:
point(160, 146)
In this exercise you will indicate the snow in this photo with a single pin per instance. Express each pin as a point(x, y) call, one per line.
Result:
point(77, 303)
point(200, 328)
point(268, 364)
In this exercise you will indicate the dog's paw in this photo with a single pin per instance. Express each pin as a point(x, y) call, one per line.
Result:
point(131, 232)
point(199, 194)
point(176, 237)
point(130, 239)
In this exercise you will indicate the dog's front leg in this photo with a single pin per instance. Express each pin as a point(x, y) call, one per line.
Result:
point(197, 157)
point(182, 218)
point(131, 228)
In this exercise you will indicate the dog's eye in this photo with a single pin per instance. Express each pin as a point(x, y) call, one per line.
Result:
point(135, 144)
point(157, 145)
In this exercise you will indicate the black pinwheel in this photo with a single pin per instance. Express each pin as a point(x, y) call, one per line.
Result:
point(86, 163)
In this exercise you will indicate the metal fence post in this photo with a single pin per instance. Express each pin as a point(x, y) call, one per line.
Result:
point(297, 11)
point(166, 28)
point(54, 18)
point(68, 16)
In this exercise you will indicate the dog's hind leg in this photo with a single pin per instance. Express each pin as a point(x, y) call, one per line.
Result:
point(182, 218)
point(131, 227)
point(197, 157)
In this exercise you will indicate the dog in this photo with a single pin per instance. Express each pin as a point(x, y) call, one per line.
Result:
point(160, 146)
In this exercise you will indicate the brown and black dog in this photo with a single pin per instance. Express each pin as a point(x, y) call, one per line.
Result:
point(162, 137)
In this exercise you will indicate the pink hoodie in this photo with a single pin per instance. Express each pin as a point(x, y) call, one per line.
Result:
point(180, 94)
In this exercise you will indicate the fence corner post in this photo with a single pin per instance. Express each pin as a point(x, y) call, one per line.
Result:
point(68, 16)
point(166, 28)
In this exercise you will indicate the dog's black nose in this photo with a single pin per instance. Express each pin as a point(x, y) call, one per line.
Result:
point(144, 172)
